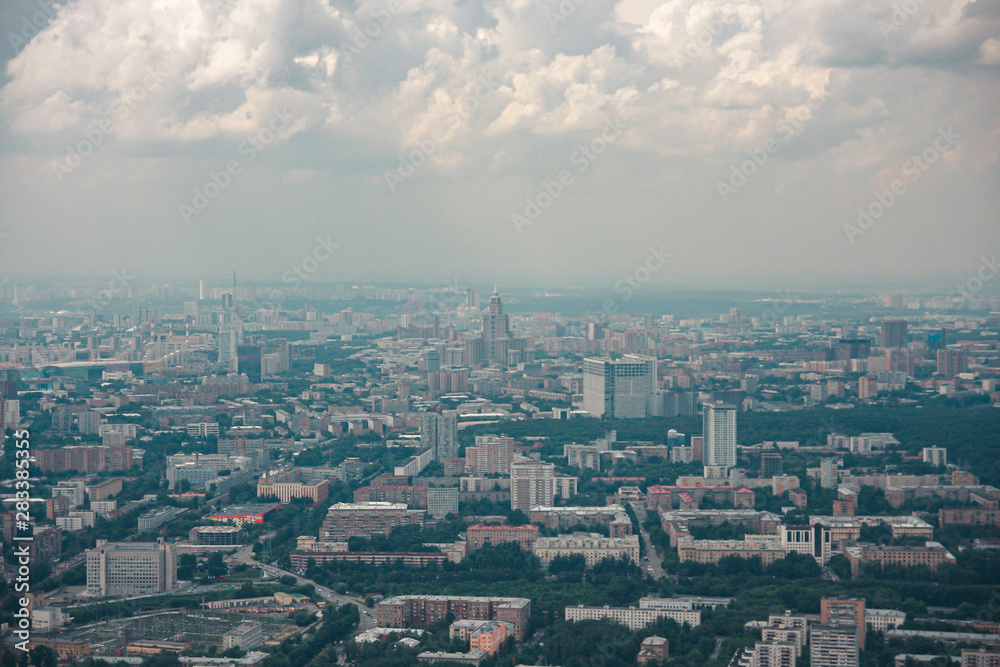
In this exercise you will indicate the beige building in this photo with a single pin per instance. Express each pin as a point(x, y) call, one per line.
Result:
point(123, 569)
point(592, 546)
point(632, 617)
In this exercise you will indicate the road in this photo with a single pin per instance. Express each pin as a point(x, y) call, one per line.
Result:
point(245, 555)
point(654, 561)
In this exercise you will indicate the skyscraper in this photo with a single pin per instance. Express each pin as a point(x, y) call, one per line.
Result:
point(440, 433)
point(248, 361)
point(498, 345)
point(622, 388)
point(720, 434)
point(894, 333)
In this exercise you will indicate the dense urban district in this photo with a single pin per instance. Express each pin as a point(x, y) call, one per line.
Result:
point(205, 476)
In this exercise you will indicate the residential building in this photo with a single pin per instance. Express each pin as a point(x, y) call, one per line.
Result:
point(634, 618)
point(442, 501)
point(833, 645)
point(845, 611)
point(439, 432)
point(531, 484)
point(593, 546)
point(719, 424)
point(408, 610)
point(346, 520)
point(491, 455)
point(480, 535)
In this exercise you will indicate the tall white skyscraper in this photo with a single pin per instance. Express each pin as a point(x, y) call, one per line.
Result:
point(440, 433)
point(720, 434)
point(623, 388)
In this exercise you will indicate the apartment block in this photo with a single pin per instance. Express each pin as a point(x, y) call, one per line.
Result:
point(480, 535)
point(632, 617)
point(408, 610)
point(346, 520)
point(592, 546)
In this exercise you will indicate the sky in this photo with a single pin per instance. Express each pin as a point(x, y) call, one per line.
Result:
point(560, 142)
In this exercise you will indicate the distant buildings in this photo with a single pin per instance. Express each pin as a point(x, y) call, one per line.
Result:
point(405, 611)
point(648, 612)
point(85, 459)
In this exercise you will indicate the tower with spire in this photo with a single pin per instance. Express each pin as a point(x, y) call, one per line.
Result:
point(497, 341)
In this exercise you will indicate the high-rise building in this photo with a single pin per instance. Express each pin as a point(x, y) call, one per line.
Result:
point(531, 483)
point(770, 464)
point(248, 361)
point(952, 360)
point(498, 345)
point(719, 421)
point(734, 321)
point(894, 333)
point(833, 645)
point(845, 611)
point(122, 569)
point(621, 388)
point(439, 433)
point(491, 455)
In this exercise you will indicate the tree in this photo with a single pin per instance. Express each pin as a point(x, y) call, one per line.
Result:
point(215, 566)
point(186, 565)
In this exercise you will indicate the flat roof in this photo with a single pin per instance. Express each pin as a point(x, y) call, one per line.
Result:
point(261, 508)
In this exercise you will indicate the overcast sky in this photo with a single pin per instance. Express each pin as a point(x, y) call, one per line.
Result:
point(698, 140)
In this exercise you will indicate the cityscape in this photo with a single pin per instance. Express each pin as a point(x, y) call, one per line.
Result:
point(378, 476)
point(514, 333)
